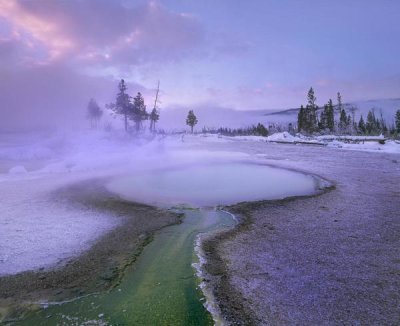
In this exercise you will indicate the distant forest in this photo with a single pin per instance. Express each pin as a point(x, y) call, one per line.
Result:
point(341, 122)
point(311, 119)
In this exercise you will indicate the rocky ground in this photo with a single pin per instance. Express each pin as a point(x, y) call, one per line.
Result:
point(330, 259)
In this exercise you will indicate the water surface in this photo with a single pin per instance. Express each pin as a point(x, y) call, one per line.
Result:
point(161, 288)
point(212, 185)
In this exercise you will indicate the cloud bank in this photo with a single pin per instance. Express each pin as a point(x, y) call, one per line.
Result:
point(48, 47)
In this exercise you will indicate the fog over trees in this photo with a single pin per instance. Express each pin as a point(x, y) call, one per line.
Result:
point(191, 120)
point(334, 119)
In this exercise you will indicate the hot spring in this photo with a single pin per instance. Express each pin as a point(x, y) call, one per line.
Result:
point(162, 288)
point(212, 185)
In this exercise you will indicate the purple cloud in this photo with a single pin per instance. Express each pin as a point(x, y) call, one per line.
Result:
point(105, 32)
point(47, 46)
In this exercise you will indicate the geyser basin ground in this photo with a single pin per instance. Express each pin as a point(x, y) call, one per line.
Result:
point(162, 287)
point(212, 185)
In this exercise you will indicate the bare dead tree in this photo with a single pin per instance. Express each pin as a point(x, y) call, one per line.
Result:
point(155, 115)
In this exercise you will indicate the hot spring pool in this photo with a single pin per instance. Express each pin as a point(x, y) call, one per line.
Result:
point(211, 185)
point(162, 288)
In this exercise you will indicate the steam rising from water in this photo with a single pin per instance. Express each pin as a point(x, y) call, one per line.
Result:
point(212, 184)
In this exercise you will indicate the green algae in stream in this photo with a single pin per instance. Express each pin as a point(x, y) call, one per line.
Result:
point(159, 289)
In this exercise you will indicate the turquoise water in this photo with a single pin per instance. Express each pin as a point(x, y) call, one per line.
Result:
point(160, 289)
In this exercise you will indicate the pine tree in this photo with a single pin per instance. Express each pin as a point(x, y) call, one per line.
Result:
point(382, 124)
point(330, 116)
point(191, 119)
point(311, 112)
point(138, 112)
point(339, 100)
point(94, 113)
point(261, 130)
point(311, 98)
point(323, 121)
point(353, 126)
point(154, 117)
point(343, 120)
point(300, 119)
point(361, 125)
point(397, 121)
point(371, 125)
point(349, 124)
point(122, 103)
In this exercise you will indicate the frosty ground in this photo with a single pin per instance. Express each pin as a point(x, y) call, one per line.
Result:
point(326, 259)
point(329, 259)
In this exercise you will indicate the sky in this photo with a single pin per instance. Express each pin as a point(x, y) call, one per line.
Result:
point(237, 54)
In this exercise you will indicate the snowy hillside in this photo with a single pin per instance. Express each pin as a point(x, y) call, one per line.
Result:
point(215, 117)
point(388, 107)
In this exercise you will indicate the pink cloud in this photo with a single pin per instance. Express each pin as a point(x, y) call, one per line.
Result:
point(104, 32)
point(47, 46)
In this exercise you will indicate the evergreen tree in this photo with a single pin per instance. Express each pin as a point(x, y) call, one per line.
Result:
point(311, 112)
point(122, 105)
point(154, 117)
point(353, 126)
point(323, 120)
point(382, 124)
point(300, 119)
point(339, 100)
point(397, 121)
point(361, 125)
point(330, 116)
point(138, 112)
point(191, 119)
point(311, 98)
point(349, 124)
point(371, 125)
point(261, 130)
point(94, 113)
point(343, 121)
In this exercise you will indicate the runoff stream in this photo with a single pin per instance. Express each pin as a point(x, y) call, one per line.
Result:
point(162, 287)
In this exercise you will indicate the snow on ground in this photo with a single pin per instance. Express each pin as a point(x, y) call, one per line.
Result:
point(36, 231)
point(358, 143)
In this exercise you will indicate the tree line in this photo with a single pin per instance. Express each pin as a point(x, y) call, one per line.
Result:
point(255, 130)
point(132, 109)
point(309, 121)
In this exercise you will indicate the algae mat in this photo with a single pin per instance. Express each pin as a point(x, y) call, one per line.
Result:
point(161, 288)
